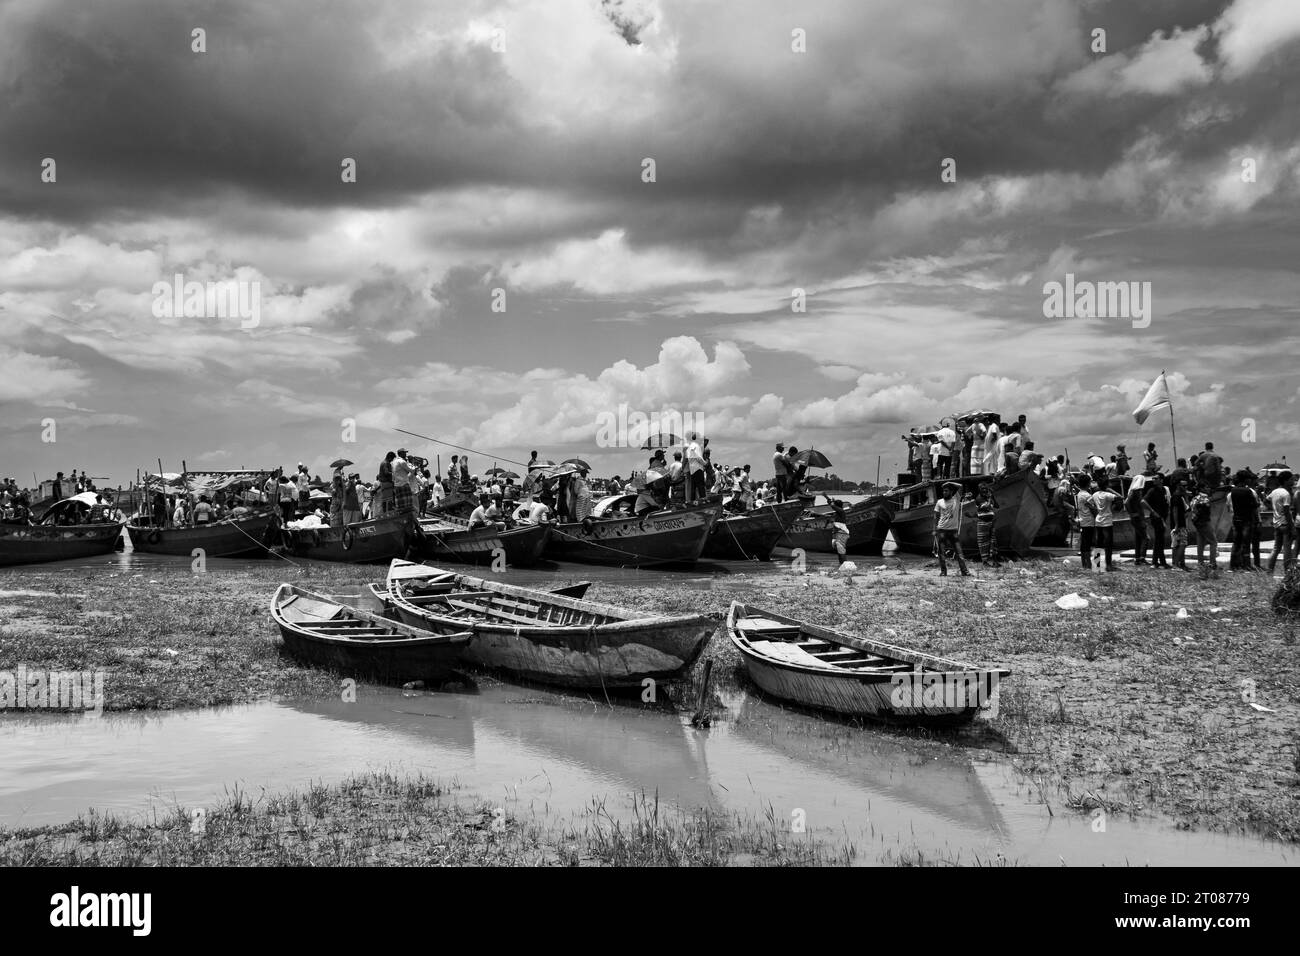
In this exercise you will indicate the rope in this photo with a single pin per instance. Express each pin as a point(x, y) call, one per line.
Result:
point(262, 545)
point(483, 454)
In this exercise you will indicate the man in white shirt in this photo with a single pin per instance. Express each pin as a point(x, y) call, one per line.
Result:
point(479, 516)
point(403, 498)
point(695, 467)
point(1281, 504)
point(944, 449)
point(303, 480)
point(533, 512)
point(1104, 502)
point(947, 528)
point(780, 470)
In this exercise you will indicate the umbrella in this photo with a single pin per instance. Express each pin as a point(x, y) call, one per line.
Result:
point(979, 413)
point(577, 463)
point(502, 473)
point(340, 463)
point(540, 465)
point(813, 458)
point(662, 440)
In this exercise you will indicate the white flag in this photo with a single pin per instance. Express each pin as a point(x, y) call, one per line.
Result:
point(1157, 397)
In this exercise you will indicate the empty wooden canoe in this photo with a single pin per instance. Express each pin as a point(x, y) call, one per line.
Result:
point(544, 636)
point(319, 630)
point(816, 667)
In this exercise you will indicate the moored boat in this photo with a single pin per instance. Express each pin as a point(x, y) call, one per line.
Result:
point(375, 539)
point(545, 636)
point(673, 535)
point(752, 534)
point(450, 538)
point(38, 543)
point(235, 536)
point(322, 631)
point(1021, 510)
point(868, 522)
point(817, 667)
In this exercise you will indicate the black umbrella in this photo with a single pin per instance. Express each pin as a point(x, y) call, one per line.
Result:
point(577, 463)
point(502, 473)
point(340, 463)
point(662, 440)
point(813, 458)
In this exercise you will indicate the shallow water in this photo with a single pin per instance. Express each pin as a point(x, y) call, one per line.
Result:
point(540, 754)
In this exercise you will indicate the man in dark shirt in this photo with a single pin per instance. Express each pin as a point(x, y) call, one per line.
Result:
point(1133, 504)
point(1181, 473)
point(1245, 522)
point(1209, 469)
point(1121, 461)
point(1156, 498)
point(1178, 504)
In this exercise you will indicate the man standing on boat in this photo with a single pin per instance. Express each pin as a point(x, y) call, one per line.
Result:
point(303, 480)
point(947, 528)
point(403, 494)
point(780, 469)
point(695, 468)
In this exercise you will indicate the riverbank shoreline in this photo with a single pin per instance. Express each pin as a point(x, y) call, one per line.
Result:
point(1117, 708)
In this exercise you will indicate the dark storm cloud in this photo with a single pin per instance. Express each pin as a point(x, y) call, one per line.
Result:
point(138, 122)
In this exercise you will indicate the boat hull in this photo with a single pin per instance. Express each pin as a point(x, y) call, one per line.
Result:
point(413, 655)
point(868, 521)
point(672, 536)
point(897, 684)
point(522, 546)
point(378, 539)
point(752, 535)
point(37, 544)
point(234, 537)
point(574, 643)
point(1022, 509)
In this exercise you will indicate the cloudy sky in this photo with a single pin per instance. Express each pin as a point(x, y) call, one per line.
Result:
point(501, 146)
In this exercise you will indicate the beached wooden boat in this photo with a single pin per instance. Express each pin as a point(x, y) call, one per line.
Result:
point(35, 544)
point(449, 538)
point(674, 535)
point(376, 539)
point(1022, 509)
point(321, 631)
point(753, 534)
point(817, 667)
point(543, 636)
point(868, 520)
point(240, 535)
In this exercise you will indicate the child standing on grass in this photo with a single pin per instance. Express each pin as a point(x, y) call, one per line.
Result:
point(1205, 536)
point(947, 525)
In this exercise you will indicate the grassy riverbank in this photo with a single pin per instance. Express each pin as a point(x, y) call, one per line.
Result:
point(1126, 709)
point(385, 820)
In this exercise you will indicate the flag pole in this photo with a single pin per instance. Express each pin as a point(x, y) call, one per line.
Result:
point(1172, 435)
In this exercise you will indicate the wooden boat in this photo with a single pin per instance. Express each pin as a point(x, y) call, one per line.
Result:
point(543, 636)
point(458, 503)
point(321, 631)
point(448, 537)
point(752, 534)
point(816, 667)
point(376, 539)
point(244, 534)
point(38, 543)
point(674, 535)
point(1022, 509)
point(869, 521)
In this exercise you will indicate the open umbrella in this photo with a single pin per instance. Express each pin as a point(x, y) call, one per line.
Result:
point(502, 473)
point(662, 440)
point(813, 458)
point(577, 463)
point(542, 464)
point(340, 463)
